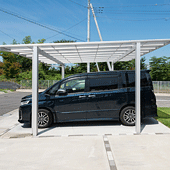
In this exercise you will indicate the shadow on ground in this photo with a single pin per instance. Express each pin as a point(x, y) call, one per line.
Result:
point(81, 124)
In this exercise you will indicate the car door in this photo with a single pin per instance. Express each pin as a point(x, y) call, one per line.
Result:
point(73, 106)
point(105, 97)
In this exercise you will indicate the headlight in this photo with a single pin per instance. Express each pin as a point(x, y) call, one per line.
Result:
point(25, 102)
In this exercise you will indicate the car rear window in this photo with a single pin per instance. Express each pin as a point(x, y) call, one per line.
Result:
point(131, 79)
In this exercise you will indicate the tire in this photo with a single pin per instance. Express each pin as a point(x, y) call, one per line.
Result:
point(44, 118)
point(127, 116)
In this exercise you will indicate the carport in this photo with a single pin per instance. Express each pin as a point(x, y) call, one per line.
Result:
point(86, 52)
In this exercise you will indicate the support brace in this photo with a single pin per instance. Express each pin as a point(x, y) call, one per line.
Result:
point(97, 67)
point(108, 64)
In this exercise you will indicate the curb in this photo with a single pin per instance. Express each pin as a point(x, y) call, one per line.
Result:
point(28, 90)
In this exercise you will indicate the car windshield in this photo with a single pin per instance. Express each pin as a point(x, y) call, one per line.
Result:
point(54, 88)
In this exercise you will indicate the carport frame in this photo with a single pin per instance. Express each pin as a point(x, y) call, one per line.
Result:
point(35, 50)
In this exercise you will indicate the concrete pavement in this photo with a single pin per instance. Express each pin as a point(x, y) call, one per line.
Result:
point(93, 145)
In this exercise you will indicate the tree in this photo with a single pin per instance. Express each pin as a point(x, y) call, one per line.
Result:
point(130, 65)
point(160, 68)
point(11, 67)
point(40, 41)
point(27, 40)
point(1, 68)
point(63, 41)
point(14, 42)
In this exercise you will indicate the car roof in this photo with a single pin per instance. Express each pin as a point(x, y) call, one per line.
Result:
point(102, 73)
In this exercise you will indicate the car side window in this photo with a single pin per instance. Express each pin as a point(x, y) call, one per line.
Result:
point(103, 83)
point(73, 86)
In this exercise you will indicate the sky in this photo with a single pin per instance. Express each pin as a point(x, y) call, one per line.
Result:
point(67, 19)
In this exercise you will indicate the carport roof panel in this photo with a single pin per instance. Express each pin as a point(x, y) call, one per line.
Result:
point(79, 52)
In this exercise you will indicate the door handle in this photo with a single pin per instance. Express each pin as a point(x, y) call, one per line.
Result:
point(82, 96)
point(91, 95)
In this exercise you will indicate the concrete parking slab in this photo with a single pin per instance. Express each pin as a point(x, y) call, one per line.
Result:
point(8, 121)
point(72, 153)
point(84, 145)
point(149, 126)
point(141, 152)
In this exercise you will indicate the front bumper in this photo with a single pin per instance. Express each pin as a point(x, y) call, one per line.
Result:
point(24, 114)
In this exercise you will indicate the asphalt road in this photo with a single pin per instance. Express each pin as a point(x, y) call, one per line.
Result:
point(163, 101)
point(11, 101)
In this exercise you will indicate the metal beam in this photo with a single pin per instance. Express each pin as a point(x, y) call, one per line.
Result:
point(137, 89)
point(35, 91)
point(126, 54)
point(49, 57)
point(10, 51)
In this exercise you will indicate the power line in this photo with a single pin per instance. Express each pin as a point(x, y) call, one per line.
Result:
point(138, 19)
point(67, 29)
point(78, 4)
point(138, 11)
point(34, 22)
point(144, 5)
point(7, 34)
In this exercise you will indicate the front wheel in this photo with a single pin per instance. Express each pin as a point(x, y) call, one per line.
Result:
point(44, 118)
point(127, 116)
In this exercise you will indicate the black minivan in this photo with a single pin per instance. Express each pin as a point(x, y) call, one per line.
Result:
point(90, 97)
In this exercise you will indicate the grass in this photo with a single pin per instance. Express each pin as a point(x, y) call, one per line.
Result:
point(163, 115)
point(6, 90)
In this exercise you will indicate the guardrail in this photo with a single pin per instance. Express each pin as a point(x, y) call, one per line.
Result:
point(161, 86)
point(158, 86)
point(42, 84)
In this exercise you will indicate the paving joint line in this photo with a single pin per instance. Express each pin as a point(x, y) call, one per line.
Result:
point(7, 130)
point(111, 160)
point(79, 135)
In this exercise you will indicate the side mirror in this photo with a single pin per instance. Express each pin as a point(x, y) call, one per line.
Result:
point(61, 92)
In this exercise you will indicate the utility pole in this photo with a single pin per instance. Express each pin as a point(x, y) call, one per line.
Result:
point(88, 32)
point(94, 16)
point(88, 24)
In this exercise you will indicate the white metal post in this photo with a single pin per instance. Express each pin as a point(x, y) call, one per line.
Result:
point(88, 67)
point(63, 71)
point(137, 89)
point(35, 91)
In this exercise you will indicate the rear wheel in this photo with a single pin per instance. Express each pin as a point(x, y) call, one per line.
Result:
point(127, 116)
point(44, 118)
